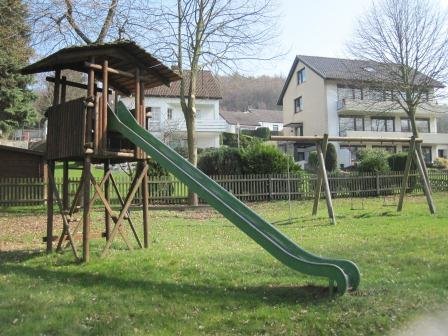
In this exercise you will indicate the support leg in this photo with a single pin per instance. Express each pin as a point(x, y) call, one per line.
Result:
point(107, 196)
point(323, 173)
point(65, 186)
point(424, 182)
point(404, 182)
point(145, 194)
point(86, 212)
point(319, 176)
point(50, 204)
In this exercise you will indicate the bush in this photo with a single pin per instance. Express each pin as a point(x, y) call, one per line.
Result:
point(231, 140)
point(331, 158)
point(222, 161)
point(397, 161)
point(441, 163)
point(373, 161)
point(262, 158)
point(263, 133)
point(155, 169)
point(313, 161)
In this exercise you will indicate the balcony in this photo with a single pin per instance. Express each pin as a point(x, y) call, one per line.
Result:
point(202, 125)
point(369, 107)
point(428, 138)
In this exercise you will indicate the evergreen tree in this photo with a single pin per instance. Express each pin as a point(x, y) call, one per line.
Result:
point(331, 158)
point(16, 100)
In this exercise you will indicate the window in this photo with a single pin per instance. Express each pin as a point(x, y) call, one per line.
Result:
point(299, 154)
point(390, 149)
point(275, 128)
point(301, 76)
point(350, 124)
point(349, 92)
point(427, 154)
point(422, 125)
point(441, 153)
point(298, 104)
point(383, 124)
point(354, 151)
point(298, 130)
point(169, 114)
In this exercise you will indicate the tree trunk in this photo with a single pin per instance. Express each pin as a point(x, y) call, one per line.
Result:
point(192, 150)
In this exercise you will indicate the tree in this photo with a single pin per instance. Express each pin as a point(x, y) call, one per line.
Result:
point(406, 41)
point(212, 34)
point(16, 100)
point(331, 158)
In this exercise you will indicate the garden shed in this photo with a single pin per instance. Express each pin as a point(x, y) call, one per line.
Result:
point(20, 162)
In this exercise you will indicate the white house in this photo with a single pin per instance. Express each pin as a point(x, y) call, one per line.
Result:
point(167, 121)
point(253, 119)
point(324, 95)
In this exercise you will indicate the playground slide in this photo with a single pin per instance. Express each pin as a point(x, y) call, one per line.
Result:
point(342, 272)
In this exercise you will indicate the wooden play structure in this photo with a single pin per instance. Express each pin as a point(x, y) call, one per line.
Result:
point(321, 143)
point(78, 132)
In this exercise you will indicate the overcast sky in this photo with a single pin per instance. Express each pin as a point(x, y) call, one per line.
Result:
point(317, 28)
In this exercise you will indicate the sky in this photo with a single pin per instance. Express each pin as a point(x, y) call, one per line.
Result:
point(317, 28)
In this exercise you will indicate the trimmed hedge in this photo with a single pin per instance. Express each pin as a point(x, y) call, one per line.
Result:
point(373, 161)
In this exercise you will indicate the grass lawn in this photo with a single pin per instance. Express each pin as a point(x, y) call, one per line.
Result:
point(202, 275)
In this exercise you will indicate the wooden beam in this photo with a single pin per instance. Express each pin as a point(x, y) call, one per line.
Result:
point(407, 169)
point(424, 182)
point(323, 172)
point(299, 139)
point(86, 212)
point(94, 66)
point(104, 104)
point(107, 196)
point(318, 186)
point(50, 206)
point(73, 84)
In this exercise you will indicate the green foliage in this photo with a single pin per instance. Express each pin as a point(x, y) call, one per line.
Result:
point(331, 158)
point(263, 133)
point(313, 161)
point(262, 158)
point(16, 100)
point(155, 169)
point(373, 161)
point(231, 140)
point(259, 158)
point(397, 161)
point(441, 163)
point(221, 161)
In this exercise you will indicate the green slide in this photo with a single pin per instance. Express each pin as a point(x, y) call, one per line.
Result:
point(343, 273)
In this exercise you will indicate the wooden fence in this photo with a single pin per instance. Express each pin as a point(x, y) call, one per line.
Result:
point(168, 190)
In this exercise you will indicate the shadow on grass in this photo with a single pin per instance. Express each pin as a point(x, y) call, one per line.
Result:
point(19, 255)
point(270, 295)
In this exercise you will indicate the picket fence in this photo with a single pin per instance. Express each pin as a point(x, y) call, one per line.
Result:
point(170, 191)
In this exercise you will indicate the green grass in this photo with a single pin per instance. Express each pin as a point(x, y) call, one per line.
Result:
point(201, 275)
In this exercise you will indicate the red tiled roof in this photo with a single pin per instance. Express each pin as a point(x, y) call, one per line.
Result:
point(207, 87)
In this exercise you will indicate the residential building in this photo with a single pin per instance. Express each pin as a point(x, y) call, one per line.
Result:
point(253, 119)
point(167, 121)
point(325, 95)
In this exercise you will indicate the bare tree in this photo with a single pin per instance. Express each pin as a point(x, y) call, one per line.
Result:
point(406, 42)
point(213, 34)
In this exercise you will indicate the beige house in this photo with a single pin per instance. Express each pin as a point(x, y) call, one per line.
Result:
point(324, 95)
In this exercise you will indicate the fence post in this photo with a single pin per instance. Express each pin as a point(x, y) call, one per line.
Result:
point(377, 183)
point(270, 187)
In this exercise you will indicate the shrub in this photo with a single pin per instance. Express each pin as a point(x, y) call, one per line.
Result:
point(262, 158)
point(441, 163)
point(263, 133)
point(231, 140)
point(155, 169)
point(331, 158)
point(222, 161)
point(373, 161)
point(397, 161)
point(313, 161)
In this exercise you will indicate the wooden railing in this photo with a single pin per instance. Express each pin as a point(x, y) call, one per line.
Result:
point(169, 190)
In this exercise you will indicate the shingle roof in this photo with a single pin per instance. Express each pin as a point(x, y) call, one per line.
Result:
point(344, 69)
point(207, 87)
point(252, 117)
point(121, 55)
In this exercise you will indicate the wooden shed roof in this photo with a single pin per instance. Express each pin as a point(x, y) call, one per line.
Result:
point(121, 55)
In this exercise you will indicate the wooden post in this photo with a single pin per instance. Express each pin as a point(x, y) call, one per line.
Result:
point(63, 89)
point(319, 176)
point(107, 196)
point(422, 160)
point(407, 169)
point(145, 195)
point(137, 110)
point(323, 173)
point(86, 212)
point(57, 87)
point(65, 186)
point(424, 182)
point(50, 203)
point(105, 103)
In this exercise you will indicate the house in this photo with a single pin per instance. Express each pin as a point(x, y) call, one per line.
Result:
point(167, 120)
point(325, 95)
point(21, 162)
point(253, 119)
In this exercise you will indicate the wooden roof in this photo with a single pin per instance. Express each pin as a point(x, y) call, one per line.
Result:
point(122, 55)
point(21, 150)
